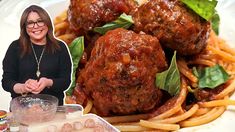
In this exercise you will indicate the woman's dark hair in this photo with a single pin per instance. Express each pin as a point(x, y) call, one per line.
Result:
point(52, 43)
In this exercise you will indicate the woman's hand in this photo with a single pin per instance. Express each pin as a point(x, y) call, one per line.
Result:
point(31, 84)
point(20, 88)
point(42, 83)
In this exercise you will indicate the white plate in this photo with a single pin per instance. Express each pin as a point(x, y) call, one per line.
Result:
point(10, 13)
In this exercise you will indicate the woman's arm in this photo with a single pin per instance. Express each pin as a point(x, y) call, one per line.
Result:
point(64, 79)
point(10, 68)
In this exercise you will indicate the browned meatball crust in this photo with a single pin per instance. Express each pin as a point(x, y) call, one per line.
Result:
point(84, 15)
point(120, 73)
point(176, 26)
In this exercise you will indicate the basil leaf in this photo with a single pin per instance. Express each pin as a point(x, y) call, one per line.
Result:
point(123, 21)
point(211, 77)
point(204, 8)
point(76, 49)
point(215, 21)
point(169, 80)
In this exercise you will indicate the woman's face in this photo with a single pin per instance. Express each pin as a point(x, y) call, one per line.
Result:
point(36, 28)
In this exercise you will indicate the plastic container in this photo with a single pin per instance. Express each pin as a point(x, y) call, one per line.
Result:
point(34, 108)
point(73, 111)
point(13, 124)
point(73, 121)
point(85, 123)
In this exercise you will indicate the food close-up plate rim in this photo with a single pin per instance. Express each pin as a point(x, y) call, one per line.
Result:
point(12, 9)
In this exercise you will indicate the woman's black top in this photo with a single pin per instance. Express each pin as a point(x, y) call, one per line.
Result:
point(56, 66)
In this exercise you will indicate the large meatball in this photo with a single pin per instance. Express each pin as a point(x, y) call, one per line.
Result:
point(84, 15)
point(176, 26)
point(120, 73)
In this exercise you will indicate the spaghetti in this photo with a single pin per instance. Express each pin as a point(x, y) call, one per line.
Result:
point(216, 52)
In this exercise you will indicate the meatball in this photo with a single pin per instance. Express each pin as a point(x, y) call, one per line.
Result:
point(67, 127)
point(84, 15)
point(120, 73)
point(176, 26)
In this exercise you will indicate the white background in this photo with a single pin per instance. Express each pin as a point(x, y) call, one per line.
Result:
point(10, 13)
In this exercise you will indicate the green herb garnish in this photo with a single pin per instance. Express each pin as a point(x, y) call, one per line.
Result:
point(76, 49)
point(169, 80)
point(123, 21)
point(204, 8)
point(211, 77)
point(215, 21)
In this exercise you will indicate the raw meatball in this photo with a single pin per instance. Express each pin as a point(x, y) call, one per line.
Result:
point(67, 127)
point(89, 123)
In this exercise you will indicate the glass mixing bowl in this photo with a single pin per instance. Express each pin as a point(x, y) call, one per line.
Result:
point(34, 108)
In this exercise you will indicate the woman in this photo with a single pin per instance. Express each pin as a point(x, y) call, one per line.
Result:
point(36, 62)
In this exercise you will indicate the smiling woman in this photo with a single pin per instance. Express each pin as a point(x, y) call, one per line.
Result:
point(36, 62)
